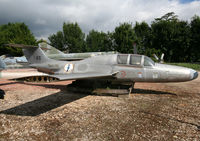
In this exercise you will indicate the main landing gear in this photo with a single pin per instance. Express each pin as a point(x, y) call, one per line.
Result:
point(102, 87)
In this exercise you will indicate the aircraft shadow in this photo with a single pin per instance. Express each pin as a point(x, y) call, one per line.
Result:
point(2, 93)
point(144, 91)
point(48, 85)
point(47, 103)
point(44, 104)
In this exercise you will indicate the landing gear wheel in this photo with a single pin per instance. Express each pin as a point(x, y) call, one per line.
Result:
point(131, 89)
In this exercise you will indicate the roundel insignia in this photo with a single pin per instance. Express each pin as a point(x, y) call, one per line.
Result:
point(123, 74)
point(68, 68)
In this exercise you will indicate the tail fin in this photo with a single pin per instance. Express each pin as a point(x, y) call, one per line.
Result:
point(49, 50)
point(2, 64)
point(33, 54)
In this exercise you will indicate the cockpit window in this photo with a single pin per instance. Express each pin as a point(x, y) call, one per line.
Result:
point(135, 60)
point(122, 59)
point(148, 61)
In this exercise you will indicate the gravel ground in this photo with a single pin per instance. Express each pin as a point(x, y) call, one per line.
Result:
point(48, 112)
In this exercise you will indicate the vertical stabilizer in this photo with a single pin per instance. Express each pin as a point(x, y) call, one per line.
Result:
point(35, 55)
point(49, 50)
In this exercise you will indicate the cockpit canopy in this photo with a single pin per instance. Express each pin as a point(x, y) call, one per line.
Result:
point(148, 61)
point(135, 60)
point(122, 59)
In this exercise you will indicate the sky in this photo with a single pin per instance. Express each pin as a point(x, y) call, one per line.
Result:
point(45, 17)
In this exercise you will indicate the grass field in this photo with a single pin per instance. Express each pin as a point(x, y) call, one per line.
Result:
point(188, 65)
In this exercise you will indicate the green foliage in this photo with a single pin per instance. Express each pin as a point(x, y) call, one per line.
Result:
point(57, 41)
point(73, 37)
point(168, 17)
point(98, 41)
point(143, 33)
point(172, 37)
point(124, 37)
point(188, 65)
point(194, 50)
point(41, 41)
point(17, 33)
point(70, 39)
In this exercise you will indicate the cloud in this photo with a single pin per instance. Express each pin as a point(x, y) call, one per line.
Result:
point(45, 17)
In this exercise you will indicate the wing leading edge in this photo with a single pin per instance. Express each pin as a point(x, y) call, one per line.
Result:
point(71, 76)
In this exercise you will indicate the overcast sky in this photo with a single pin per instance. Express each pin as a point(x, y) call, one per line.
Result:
point(45, 17)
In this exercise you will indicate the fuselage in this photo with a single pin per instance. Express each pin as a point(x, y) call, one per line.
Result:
point(128, 67)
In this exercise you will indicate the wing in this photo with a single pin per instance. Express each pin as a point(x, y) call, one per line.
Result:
point(76, 76)
point(72, 76)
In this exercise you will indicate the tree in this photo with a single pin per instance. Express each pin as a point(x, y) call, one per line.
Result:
point(41, 41)
point(168, 17)
point(17, 33)
point(143, 33)
point(171, 36)
point(73, 37)
point(124, 37)
point(57, 40)
point(70, 39)
point(98, 41)
point(194, 50)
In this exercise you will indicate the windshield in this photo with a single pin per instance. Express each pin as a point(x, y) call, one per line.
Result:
point(148, 61)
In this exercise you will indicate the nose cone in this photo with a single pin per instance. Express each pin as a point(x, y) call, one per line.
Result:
point(193, 74)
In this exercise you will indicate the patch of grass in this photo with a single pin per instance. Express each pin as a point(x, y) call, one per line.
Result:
point(188, 65)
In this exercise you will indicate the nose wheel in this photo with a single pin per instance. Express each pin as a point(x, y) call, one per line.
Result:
point(131, 89)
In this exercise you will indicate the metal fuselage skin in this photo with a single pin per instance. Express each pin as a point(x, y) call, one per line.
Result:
point(157, 73)
point(125, 72)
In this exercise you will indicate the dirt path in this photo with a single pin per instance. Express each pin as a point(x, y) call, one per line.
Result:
point(48, 112)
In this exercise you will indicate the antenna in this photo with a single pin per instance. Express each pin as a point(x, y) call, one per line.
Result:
point(161, 60)
point(155, 56)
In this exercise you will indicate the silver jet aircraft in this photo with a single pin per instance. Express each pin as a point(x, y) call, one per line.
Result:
point(117, 67)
